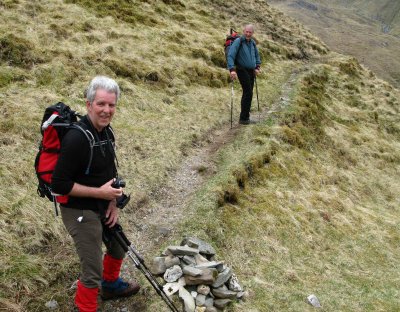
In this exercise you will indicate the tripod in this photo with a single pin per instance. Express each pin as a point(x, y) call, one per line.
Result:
point(116, 231)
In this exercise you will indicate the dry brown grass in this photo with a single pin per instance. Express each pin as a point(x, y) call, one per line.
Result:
point(167, 57)
point(291, 195)
point(320, 217)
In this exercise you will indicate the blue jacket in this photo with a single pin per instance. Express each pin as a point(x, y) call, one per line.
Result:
point(245, 53)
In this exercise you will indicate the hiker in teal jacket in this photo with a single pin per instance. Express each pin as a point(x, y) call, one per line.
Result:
point(244, 63)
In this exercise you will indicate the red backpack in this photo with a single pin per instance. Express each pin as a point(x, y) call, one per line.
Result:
point(229, 40)
point(56, 122)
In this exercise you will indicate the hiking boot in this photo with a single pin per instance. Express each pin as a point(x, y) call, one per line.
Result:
point(247, 122)
point(118, 289)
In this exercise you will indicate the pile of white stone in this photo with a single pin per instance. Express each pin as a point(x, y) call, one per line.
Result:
point(191, 271)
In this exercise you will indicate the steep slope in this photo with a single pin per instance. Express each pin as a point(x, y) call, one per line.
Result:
point(301, 203)
point(310, 205)
point(367, 30)
point(167, 57)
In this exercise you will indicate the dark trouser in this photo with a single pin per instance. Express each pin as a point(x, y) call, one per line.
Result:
point(246, 78)
point(87, 236)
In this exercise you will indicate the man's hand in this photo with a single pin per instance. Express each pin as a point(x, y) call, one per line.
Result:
point(257, 71)
point(112, 214)
point(108, 192)
point(233, 75)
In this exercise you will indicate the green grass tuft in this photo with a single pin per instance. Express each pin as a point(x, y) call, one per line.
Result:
point(16, 51)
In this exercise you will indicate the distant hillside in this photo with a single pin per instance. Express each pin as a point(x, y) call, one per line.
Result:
point(368, 30)
point(386, 11)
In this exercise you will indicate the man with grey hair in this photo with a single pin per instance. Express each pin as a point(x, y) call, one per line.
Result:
point(244, 63)
point(85, 172)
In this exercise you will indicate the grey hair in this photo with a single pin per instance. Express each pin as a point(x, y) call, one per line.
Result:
point(104, 83)
point(249, 26)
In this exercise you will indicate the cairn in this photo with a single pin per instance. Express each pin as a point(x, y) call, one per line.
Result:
point(191, 272)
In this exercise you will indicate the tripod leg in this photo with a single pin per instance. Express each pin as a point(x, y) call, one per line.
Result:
point(137, 259)
point(151, 279)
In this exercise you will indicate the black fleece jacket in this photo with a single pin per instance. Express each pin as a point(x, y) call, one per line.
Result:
point(73, 162)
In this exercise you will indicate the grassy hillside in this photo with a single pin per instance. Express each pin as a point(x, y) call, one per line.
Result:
point(310, 205)
point(304, 169)
point(355, 28)
point(169, 61)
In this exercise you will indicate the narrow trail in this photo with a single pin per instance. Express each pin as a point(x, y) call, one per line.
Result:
point(154, 223)
point(168, 206)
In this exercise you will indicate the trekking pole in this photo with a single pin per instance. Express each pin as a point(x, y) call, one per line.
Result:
point(55, 206)
point(137, 259)
point(258, 102)
point(232, 102)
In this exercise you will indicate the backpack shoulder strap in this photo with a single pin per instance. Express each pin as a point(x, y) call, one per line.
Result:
point(242, 39)
point(240, 44)
point(110, 130)
point(89, 136)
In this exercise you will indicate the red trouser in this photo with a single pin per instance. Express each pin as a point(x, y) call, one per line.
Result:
point(86, 298)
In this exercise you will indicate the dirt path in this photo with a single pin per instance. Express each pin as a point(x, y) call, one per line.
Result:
point(169, 205)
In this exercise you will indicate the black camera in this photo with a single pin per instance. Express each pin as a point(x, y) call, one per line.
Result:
point(118, 183)
point(123, 200)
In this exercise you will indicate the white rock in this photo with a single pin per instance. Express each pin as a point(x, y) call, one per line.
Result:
point(189, 304)
point(234, 284)
point(52, 304)
point(313, 300)
point(171, 288)
point(173, 274)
